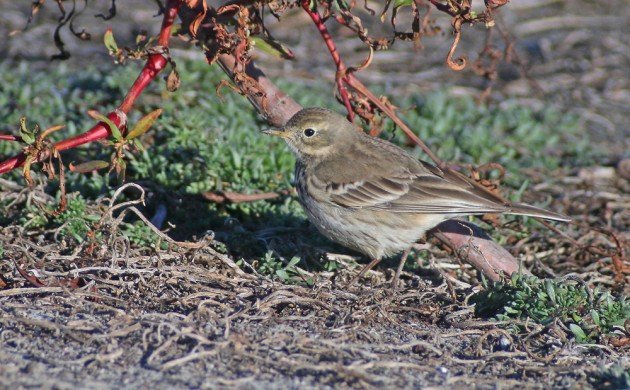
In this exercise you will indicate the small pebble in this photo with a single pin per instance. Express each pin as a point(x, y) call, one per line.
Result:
point(596, 175)
point(503, 344)
point(442, 371)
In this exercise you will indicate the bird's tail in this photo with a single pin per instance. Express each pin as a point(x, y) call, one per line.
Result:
point(531, 211)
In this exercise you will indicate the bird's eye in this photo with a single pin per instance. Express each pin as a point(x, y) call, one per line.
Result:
point(309, 132)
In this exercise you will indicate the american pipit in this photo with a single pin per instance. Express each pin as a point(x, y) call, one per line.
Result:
point(372, 196)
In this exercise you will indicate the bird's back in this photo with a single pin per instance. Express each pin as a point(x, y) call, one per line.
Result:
point(383, 176)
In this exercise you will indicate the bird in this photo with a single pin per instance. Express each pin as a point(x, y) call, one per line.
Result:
point(372, 196)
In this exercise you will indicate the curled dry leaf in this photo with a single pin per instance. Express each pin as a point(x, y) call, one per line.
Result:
point(173, 81)
point(33, 280)
point(71, 283)
point(201, 9)
point(495, 3)
point(456, 64)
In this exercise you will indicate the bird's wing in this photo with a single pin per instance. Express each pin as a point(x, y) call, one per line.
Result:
point(425, 193)
point(411, 186)
point(374, 192)
point(441, 192)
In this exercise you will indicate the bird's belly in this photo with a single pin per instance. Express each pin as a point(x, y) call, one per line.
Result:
point(376, 234)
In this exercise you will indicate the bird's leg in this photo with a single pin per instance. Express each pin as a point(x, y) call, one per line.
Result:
point(365, 269)
point(403, 260)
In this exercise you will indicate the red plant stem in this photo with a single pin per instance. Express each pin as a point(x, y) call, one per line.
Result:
point(97, 132)
point(10, 137)
point(12, 163)
point(342, 70)
point(155, 63)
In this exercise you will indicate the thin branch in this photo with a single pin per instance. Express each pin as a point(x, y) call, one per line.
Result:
point(235, 197)
point(10, 137)
point(155, 63)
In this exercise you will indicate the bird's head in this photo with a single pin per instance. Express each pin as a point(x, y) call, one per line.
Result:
point(316, 132)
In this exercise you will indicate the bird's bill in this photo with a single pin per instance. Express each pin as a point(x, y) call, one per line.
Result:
point(275, 132)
